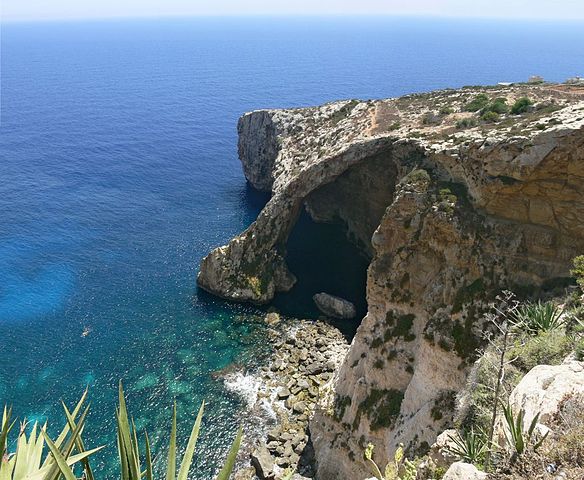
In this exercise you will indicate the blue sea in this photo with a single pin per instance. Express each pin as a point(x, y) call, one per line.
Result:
point(119, 172)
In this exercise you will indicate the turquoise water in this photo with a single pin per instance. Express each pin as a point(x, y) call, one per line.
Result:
point(118, 172)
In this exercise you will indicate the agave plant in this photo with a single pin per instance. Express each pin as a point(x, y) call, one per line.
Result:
point(129, 448)
point(517, 437)
point(470, 446)
point(30, 461)
point(533, 318)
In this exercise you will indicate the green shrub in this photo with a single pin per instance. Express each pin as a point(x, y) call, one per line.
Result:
point(418, 176)
point(466, 123)
point(490, 117)
point(578, 270)
point(547, 348)
point(476, 399)
point(579, 350)
point(499, 105)
point(491, 112)
point(432, 118)
point(521, 105)
point(394, 126)
point(477, 103)
point(446, 110)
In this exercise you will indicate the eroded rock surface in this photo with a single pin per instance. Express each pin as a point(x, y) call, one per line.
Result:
point(449, 209)
point(544, 388)
point(464, 471)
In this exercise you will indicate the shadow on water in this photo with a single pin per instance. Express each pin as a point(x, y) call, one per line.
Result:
point(254, 201)
point(324, 260)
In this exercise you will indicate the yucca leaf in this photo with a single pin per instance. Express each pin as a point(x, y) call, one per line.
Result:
point(135, 449)
point(231, 457)
point(190, 451)
point(68, 448)
point(129, 464)
point(6, 468)
point(124, 467)
point(533, 425)
point(538, 444)
point(78, 443)
point(61, 438)
point(59, 459)
point(148, 472)
point(21, 462)
point(6, 427)
point(171, 464)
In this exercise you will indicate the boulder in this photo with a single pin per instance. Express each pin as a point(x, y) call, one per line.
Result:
point(439, 452)
point(263, 462)
point(299, 407)
point(463, 471)
point(544, 387)
point(283, 393)
point(334, 307)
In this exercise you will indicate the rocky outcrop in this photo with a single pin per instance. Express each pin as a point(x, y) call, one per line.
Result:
point(544, 388)
point(464, 471)
point(448, 208)
point(334, 307)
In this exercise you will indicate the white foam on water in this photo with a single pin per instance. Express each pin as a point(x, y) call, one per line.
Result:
point(245, 385)
point(249, 386)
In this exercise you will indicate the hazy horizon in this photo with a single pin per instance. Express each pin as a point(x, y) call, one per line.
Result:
point(63, 10)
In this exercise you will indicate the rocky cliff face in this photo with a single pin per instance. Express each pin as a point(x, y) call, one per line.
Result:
point(449, 208)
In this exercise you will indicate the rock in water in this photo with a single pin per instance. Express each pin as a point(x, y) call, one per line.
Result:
point(335, 307)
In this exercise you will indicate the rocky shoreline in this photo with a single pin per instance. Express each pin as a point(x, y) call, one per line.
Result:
point(284, 394)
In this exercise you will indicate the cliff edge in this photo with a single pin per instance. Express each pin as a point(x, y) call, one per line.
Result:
point(453, 195)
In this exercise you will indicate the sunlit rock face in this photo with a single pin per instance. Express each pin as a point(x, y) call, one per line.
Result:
point(448, 215)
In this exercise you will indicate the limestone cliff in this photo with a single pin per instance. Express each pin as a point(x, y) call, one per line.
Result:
point(449, 206)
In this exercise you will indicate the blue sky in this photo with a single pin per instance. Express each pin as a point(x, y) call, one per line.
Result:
point(16, 10)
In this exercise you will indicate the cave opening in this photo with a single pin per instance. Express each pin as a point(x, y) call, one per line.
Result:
point(329, 248)
point(324, 260)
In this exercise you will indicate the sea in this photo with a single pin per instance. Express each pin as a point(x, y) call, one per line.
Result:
point(119, 172)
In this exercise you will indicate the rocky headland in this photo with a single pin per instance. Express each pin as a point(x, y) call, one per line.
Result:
point(453, 196)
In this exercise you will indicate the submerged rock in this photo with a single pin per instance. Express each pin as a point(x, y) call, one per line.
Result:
point(335, 307)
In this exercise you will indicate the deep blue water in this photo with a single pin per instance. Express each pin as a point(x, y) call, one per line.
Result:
point(118, 172)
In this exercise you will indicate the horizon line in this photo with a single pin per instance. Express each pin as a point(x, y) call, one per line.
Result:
point(178, 16)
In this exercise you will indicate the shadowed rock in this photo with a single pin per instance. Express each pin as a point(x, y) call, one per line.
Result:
point(334, 307)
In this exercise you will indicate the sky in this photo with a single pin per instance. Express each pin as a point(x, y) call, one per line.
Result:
point(33, 10)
